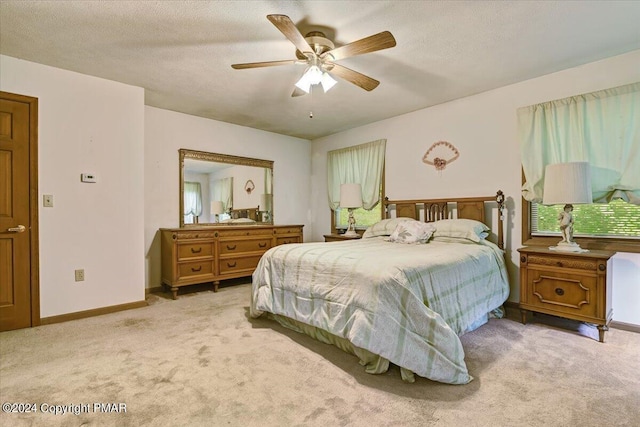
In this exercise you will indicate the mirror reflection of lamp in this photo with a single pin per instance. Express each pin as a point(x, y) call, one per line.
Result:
point(217, 208)
point(568, 184)
point(351, 198)
point(266, 203)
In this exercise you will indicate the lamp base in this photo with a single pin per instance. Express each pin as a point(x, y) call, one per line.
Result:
point(350, 233)
point(568, 247)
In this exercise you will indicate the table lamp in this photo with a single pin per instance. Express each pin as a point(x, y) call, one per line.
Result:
point(351, 198)
point(217, 208)
point(568, 184)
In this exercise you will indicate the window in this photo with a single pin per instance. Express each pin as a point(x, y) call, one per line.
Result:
point(364, 218)
point(192, 202)
point(616, 219)
point(361, 164)
point(600, 128)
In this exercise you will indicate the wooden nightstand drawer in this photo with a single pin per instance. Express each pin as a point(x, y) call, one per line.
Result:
point(564, 262)
point(561, 291)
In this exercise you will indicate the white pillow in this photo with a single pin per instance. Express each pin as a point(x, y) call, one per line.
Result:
point(412, 232)
point(450, 230)
point(384, 227)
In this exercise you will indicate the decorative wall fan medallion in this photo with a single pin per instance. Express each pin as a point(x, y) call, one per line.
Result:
point(440, 154)
point(249, 187)
point(319, 54)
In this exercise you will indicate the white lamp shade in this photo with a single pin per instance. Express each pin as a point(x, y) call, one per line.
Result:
point(266, 201)
point(327, 82)
point(350, 196)
point(567, 183)
point(217, 207)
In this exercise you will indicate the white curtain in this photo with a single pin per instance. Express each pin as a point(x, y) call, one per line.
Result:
point(361, 164)
point(268, 181)
point(602, 128)
point(192, 199)
point(222, 189)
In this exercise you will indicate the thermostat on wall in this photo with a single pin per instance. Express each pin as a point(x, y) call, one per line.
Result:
point(88, 177)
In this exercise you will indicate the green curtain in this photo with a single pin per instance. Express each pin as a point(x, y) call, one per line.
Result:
point(361, 164)
point(192, 199)
point(602, 128)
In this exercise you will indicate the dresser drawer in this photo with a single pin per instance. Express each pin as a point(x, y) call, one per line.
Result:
point(194, 250)
point(566, 292)
point(283, 231)
point(232, 265)
point(192, 269)
point(241, 246)
point(245, 231)
point(283, 240)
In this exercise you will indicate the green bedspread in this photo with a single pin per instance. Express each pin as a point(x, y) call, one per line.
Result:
point(407, 303)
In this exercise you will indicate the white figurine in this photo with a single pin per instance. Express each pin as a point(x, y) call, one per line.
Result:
point(566, 224)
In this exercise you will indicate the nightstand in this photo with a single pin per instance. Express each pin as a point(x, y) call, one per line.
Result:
point(337, 237)
point(566, 284)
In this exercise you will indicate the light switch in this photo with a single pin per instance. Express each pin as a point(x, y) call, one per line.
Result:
point(88, 177)
point(47, 200)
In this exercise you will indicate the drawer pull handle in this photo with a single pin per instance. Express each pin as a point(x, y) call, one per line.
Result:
point(560, 291)
point(559, 263)
point(523, 258)
point(196, 269)
point(602, 267)
point(230, 265)
point(231, 248)
point(194, 251)
point(262, 245)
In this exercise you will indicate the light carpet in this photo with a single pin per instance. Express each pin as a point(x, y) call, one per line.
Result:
point(201, 361)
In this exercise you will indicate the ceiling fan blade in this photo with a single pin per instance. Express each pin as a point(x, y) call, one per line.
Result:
point(288, 28)
point(358, 79)
point(263, 64)
point(383, 40)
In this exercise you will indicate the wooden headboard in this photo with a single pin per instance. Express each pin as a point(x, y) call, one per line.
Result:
point(430, 210)
point(251, 213)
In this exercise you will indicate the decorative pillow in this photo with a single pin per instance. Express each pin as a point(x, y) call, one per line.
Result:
point(384, 227)
point(412, 232)
point(448, 230)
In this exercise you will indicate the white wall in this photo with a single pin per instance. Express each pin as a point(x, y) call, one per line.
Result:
point(86, 124)
point(483, 128)
point(167, 131)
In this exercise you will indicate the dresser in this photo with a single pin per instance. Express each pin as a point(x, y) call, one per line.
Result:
point(565, 284)
point(193, 255)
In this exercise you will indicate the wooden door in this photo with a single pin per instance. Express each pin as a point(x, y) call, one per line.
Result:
point(19, 305)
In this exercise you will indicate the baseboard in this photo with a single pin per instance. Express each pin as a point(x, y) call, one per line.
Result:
point(625, 326)
point(154, 290)
point(511, 307)
point(90, 313)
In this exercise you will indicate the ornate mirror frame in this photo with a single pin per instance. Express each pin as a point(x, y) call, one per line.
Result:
point(215, 158)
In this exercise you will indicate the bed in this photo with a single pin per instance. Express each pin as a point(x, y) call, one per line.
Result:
point(428, 272)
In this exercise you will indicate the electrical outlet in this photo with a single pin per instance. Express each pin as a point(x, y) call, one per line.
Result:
point(79, 275)
point(47, 200)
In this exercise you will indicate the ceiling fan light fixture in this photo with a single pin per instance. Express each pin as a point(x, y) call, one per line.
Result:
point(327, 82)
point(313, 76)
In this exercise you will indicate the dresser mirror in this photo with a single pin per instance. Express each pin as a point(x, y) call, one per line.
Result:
point(220, 189)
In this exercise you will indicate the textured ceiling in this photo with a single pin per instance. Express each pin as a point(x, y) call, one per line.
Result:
point(181, 52)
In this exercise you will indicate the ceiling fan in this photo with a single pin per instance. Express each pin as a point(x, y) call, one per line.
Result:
point(319, 54)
